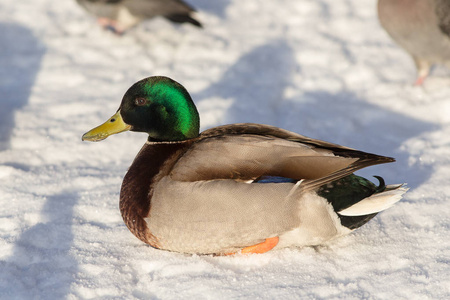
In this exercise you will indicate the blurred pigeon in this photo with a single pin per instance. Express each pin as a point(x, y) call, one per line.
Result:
point(421, 27)
point(120, 15)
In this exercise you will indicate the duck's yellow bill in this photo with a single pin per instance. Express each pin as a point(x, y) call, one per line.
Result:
point(114, 125)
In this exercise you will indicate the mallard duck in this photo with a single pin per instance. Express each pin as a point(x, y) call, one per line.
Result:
point(120, 15)
point(239, 188)
point(421, 27)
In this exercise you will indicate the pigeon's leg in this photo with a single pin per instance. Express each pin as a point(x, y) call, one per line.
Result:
point(423, 69)
point(112, 25)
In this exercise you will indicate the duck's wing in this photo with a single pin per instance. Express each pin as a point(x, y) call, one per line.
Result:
point(101, 8)
point(247, 152)
point(174, 10)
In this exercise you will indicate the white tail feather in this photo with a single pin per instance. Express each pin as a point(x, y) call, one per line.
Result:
point(375, 203)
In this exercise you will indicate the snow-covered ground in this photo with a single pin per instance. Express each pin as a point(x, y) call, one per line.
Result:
point(321, 68)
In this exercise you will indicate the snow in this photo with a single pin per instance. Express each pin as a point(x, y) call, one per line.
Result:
point(322, 68)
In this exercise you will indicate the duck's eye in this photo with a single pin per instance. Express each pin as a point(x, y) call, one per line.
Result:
point(140, 101)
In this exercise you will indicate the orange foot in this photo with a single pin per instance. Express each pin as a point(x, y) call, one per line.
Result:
point(263, 247)
point(420, 80)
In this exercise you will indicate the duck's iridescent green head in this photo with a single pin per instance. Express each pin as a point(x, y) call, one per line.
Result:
point(157, 105)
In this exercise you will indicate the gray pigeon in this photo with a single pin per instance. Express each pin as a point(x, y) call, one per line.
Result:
point(120, 15)
point(422, 28)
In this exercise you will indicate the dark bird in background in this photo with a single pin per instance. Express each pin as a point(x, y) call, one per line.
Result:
point(422, 28)
point(121, 15)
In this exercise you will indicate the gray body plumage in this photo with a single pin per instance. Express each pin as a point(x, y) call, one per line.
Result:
point(421, 27)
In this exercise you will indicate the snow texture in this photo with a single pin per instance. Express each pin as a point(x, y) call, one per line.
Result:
point(322, 68)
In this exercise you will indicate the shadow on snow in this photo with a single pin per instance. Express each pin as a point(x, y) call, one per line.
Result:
point(257, 82)
point(20, 60)
point(41, 264)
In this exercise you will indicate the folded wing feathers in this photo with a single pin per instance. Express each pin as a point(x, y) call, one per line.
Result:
point(357, 165)
point(355, 159)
